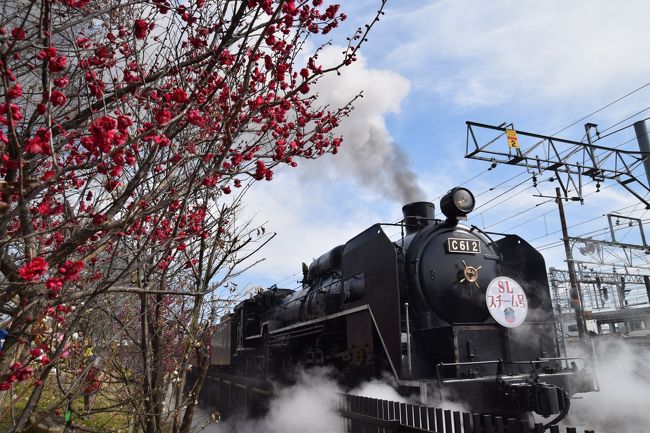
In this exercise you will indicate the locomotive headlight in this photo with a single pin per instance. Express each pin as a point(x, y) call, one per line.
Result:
point(457, 203)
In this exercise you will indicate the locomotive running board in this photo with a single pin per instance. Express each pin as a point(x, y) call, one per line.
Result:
point(314, 321)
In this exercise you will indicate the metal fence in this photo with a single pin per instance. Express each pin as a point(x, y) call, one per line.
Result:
point(370, 415)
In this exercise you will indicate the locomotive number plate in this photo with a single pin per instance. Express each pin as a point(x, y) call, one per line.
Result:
point(465, 246)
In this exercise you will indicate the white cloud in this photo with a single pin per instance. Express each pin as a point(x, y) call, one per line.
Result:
point(483, 53)
point(308, 218)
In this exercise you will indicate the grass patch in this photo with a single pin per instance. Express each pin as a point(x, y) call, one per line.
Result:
point(106, 414)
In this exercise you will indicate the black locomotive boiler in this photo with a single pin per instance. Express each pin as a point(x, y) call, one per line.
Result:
point(444, 310)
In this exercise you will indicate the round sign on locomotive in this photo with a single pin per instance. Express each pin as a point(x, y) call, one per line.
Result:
point(446, 308)
point(506, 301)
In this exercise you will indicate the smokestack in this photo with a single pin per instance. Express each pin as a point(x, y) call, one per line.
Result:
point(418, 215)
point(644, 145)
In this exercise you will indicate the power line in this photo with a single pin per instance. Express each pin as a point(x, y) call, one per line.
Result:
point(519, 213)
point(546, 213)
point(471, 179)
point(602, 108)
point(465, 182)
point(636, 205)
point(537, 217)
point(600, 136)
point(554, 244)
point(583, 235)
point(500, 184)
point(513, 195)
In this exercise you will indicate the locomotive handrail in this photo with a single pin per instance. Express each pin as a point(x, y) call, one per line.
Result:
point(449, 364)
point(562, 358)
point(452, 364)
point(543, 360)
point(500, 362)
point(496, 361)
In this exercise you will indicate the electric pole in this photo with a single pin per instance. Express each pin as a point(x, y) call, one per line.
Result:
point(576, 296)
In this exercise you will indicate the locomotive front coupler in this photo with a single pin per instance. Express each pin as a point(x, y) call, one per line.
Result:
point(531, 395)
point(544, 399)
point(544, 390)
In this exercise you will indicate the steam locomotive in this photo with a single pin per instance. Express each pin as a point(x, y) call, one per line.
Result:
point(444, 310)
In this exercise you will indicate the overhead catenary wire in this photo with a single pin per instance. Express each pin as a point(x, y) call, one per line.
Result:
point(561, 130)
point(557, 243)
point(603, 108)
point(538, 216)
point(472, 178)
point(635, 205)
point(499, 185)
point(476, 176)
point(588, 234)
point(601, 136)
point(523, 212)
point(511, 195)
point(584, 118)
point(508, 198)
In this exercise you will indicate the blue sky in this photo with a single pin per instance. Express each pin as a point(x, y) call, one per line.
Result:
point(429, 67)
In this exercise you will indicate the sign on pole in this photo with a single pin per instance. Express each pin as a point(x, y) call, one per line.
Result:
point(513, 141)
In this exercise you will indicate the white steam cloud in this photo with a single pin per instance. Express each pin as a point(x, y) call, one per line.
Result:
point(380, 390)
point(311, 405)
point(622, 403)
point(368, 153)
